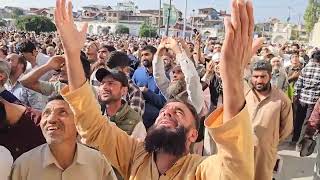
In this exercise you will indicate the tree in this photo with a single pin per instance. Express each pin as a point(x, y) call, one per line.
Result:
point(16, 13)
point(121, 29)
point(147, 31)
point(311, 14)
point(3, 23)
point(35, 23)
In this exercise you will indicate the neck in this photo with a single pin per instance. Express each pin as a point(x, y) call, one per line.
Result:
point(150, 69)
point(64, 153)
point(165, 161)
point(113, 108)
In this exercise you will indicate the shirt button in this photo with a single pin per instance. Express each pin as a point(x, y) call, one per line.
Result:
point(17, 149)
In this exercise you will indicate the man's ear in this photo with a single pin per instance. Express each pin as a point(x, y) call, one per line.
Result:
point(192, 135)
point(124, 91)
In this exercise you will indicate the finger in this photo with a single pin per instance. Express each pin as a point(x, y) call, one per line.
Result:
point(229, 34)
point(249, 7)
point(84, 30)
point(235, 17)
point(57, 13)
point(63, 9)
point(70, 14)
point(244, 21)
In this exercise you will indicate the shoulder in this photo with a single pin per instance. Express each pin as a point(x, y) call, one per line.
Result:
point(279, 94)
point(32, 155)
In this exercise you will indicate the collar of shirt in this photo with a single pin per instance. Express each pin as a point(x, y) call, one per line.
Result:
point(174, 168)
point(48, 158)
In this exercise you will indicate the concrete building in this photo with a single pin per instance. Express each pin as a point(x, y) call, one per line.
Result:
point(315, 35)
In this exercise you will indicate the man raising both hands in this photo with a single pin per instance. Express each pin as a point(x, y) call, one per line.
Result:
point(165, 152)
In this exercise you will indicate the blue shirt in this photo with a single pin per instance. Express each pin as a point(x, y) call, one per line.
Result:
point(142, 78)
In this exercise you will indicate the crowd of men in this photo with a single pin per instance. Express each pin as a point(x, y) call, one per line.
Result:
point(79, 106)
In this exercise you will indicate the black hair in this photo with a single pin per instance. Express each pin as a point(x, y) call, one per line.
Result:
point(110, 48)
point(27, 47)
point(191, 108)
point(118, 59)
point(55, 97)
point(261, 65)
point(85, 64)
point(152, 49)
point(316, 56)
point(296, 45)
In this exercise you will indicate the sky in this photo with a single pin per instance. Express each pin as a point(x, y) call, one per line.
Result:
point(264, 9)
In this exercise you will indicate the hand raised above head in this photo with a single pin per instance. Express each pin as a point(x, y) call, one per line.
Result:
point(72, 39)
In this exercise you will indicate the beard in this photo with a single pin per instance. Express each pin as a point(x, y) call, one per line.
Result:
point(176, 87)
point(262, 87)
point(146, 63)
point(165, 140)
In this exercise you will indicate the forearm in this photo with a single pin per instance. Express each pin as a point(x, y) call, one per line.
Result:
point(233, 96)
point(76, 76)
point(31, 79)
point(160, 75)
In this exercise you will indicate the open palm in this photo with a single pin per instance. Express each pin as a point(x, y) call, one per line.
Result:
point(72, 39)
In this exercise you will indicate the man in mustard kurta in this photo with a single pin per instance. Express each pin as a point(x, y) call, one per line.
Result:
point(271, 115)
point(165, 152)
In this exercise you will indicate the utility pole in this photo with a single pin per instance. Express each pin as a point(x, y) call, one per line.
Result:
point(168, 21)
point(185, 19)
point(159, 21)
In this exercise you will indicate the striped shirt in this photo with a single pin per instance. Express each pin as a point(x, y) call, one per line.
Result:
point(307, 87)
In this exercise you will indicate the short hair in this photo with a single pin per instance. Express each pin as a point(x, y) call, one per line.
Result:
point(191, 108)
point(55, 97)
point(110, 48)
point(316, 56)
point(26, 47)
point(118, 59)
point(261, 65)
point(296, 45)
point(150, 48)
point(85, 64)
point(22, 60)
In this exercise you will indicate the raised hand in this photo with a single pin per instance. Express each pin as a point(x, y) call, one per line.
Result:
point(56, 62)
point(72, 39)
point(161, 48)
point(235, 55)
point(173, 44)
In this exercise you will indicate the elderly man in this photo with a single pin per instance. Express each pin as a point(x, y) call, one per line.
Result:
point(279, 77)
point(165, 152)
point(61, 157)
point(185, 81)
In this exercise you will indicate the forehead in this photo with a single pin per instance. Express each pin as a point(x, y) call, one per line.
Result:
point(103, 49)
point(177, 105)
point(58, 104)
point(275, 60)
point(259, 73)
point(109, 78)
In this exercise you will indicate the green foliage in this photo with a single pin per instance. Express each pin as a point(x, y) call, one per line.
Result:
point(147, 31)
point(3, 23)
point(311, 14)
point(35, 23)
point(121, 29)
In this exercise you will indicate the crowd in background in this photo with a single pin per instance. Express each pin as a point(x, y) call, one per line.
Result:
point(133, 79)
